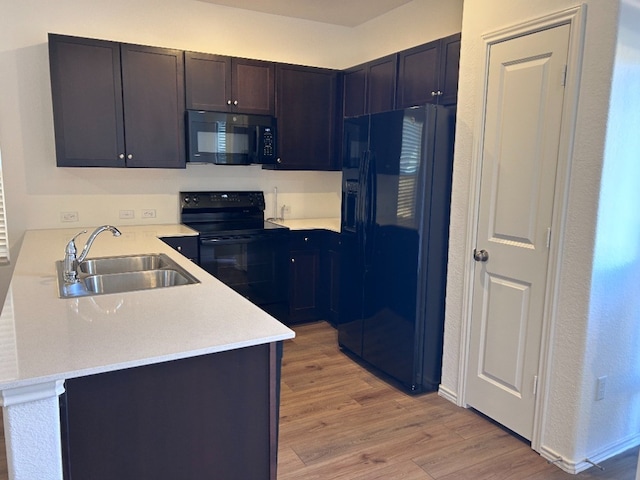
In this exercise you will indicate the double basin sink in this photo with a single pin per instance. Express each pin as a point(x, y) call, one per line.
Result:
point(99, 276)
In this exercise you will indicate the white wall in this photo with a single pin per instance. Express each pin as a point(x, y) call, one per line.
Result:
point(613, 341)
point(37, 191)
point(583, 346)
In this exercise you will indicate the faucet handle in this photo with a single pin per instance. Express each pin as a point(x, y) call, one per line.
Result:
point(71, 246)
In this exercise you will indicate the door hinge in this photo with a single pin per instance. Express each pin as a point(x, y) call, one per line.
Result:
point(563, 77)
point(549, 237)
point(535, 385)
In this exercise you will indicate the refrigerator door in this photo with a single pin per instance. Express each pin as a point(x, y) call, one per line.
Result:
point(435, 248)
point(355, 151)
point(402, 162)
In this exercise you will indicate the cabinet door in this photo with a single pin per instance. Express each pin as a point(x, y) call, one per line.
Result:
point(207, 81)
point(355, 91)
point(449, 67)
point(305, 276)
point(381, 84)
point(187, 246)
point(306, 111)
point(153, 92)
point(253, 86)
point(86, 90)
point(418, 75)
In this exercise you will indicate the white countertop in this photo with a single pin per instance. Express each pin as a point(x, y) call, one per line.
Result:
point(332, 224)
point(45, 338)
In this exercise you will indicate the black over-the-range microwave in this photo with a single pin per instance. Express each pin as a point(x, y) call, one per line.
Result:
point(230, 138)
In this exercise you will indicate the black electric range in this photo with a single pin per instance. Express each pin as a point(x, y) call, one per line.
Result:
point(239, 247)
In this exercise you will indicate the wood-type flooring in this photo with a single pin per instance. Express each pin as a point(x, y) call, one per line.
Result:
point(338, 421)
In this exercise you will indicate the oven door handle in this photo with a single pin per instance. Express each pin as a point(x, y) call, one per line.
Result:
point(226, 240)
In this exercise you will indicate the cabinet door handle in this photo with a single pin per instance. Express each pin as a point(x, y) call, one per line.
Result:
point(228, 102)
point(235, 102)
point(279, 160)
point(179, 248)
point(293, 260)
point(129, 157)
point(436, 93)
point(121, 156)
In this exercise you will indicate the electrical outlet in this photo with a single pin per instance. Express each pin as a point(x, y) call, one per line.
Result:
point(127, 214)
point(149, 213)
point(601, 386)
point(68, 216)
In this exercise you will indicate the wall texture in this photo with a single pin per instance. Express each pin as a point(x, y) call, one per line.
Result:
point(575, 426)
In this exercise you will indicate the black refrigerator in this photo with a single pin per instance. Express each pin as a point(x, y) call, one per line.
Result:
point(396, 190)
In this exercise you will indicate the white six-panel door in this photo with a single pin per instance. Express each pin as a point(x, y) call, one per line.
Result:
point(523, 115)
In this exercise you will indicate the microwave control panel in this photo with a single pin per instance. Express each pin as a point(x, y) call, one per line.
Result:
point(268, 142)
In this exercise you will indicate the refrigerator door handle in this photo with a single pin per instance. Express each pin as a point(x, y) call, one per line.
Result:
point(369, 208)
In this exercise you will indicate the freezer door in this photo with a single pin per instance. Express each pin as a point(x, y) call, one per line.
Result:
point(352, 270)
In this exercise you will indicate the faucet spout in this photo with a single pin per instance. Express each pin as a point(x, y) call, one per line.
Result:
point(71, 261)
point(92, 237)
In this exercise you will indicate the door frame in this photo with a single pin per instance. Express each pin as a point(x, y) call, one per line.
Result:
point(575, 17)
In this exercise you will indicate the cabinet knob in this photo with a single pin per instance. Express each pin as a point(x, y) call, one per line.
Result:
point(235, 102)
point(279, 160)
point(293, 260)
point(121, 156)
point(129, 157)
point(228, 102)
point(179, 248)
point(306, 239)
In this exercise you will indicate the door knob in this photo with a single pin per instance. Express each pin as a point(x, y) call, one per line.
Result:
point(480, 255)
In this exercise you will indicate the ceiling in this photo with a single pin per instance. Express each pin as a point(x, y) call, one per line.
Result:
point(349, 13)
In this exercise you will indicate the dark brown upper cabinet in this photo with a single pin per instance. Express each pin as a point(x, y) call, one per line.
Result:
point(116, 105)
point(306, 109)
point(449, 69)
point(229, 84)
point(429, 73)
point(371, 87)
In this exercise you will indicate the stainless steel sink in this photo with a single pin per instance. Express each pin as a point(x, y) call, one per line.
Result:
point(106, 275)
point(132, 263)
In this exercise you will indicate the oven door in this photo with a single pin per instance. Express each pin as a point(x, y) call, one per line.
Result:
point(255, 265)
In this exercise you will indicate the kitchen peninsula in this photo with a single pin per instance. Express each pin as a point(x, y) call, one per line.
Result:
point(46, 341)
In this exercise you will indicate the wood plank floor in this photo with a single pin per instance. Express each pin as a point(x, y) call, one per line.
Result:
point(339, 421)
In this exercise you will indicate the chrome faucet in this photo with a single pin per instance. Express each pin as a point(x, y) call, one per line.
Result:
point(71, 262)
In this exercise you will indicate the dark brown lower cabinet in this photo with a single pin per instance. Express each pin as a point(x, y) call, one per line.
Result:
point(305, 294)
point(186, 245)
point(208, 417)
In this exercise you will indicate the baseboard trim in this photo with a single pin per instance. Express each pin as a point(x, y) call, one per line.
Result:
point(595, 458)
point(448, 394)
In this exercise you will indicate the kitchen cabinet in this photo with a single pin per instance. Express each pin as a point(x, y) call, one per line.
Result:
point(186, 245)
point(306, 110)
point(449, 68)
point(116, 105)
point(429, 73)
point(229, 84)
point(210, 416)
point(305, 277)
point(371, 87)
